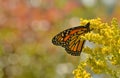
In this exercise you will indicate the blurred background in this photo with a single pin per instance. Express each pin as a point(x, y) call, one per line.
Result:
point(26, 30)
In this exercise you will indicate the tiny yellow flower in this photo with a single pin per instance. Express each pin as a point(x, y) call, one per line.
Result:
point(119, 42)
point(119, 51)
point(96, 70)
point(106, 50)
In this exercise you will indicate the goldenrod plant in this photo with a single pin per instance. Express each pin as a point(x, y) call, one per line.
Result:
point(104, 56)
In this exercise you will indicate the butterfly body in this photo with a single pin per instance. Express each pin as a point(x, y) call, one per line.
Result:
point(70, 39)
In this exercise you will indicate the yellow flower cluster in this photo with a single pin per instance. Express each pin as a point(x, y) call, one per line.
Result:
point(81, 73)
point(106, 51)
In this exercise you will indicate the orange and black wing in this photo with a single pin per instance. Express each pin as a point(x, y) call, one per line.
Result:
point(70, 39)
point(75, 44)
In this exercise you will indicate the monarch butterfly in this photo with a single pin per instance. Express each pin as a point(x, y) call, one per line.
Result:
point(70, 39)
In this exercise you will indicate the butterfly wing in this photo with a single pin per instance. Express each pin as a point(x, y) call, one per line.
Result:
point(75, 44)
point(70, 39)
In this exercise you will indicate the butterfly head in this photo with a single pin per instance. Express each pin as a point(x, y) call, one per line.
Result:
point(88, 26)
